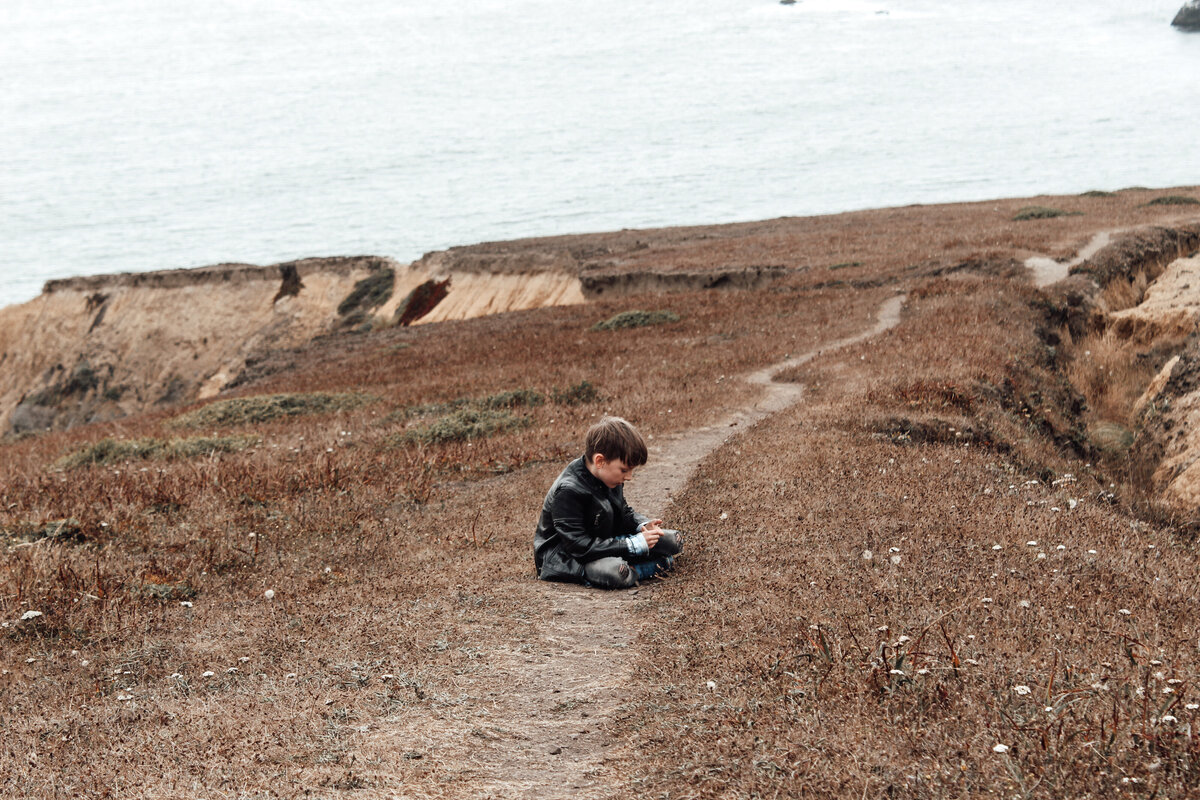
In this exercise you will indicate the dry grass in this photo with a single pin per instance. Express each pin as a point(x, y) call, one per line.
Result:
point(861, 617)
point(396, 571)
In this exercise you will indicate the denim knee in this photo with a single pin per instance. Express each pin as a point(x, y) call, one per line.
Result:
point(609, 573)
point(669, 544)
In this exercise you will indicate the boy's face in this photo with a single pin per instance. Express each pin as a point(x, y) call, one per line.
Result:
point(612, 472)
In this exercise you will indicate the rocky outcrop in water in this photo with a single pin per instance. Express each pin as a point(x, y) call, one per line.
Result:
point(1188, 17)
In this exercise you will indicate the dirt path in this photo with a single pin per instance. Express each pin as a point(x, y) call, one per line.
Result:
point(1047, 271)
point(537, 721)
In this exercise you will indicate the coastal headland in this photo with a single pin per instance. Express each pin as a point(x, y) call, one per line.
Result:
point(265, 530)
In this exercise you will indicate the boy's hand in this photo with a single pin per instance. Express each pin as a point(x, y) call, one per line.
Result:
point(652, 532)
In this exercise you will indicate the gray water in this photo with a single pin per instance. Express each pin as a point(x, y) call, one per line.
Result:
point(152, 134)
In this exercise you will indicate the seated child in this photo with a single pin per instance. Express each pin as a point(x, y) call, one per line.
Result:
point(587, 532)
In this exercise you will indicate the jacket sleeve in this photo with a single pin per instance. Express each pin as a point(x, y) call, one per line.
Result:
point(570, 507)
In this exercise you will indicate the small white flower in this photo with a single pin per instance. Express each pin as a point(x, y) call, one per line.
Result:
point(922, 671)
point(711, 686)
point(290, 675)
point(1072, 502)
point(1055, 508)
point(1022, 690)
point(896, 672)
point(364, 728)
point(1154, 662)
point(84, 663)
point(124, 697)
point(1049, 709)
point(185, 603)
point(985, 600)
point(882, 628)
point(1091, 552)
point(208, 674)
point(893, 549)
point(328, 570)
point(244, 659)
point(971, 661)
point(30, 615)
point(1192, 706)
point(895, 559)
point(1000, 748)
point(1168, 690)
point(996, 547)
point(1025, 604)
point(724, 515)
point(176, 675)
point(867, 555)
point(1167, 719)
point(1041, 555)
point(269, 594)
point(1125, 611)
point(386, 676)
point(1174, 681)
point(903, 640)
point(1160, 675)
point(1061, 547)
point(231, 670)
point(30, 660)
point(1032, 543)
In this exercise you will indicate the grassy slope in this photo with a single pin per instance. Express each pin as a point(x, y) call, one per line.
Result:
point(412, 561)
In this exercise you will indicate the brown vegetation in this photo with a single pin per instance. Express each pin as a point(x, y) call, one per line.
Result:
point(779, 660)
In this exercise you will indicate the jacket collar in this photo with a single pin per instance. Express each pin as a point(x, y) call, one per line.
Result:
point(585, 475)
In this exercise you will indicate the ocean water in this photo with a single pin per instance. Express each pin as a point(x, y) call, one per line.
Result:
point(143, 134)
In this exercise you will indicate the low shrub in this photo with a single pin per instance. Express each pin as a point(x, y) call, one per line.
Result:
point(845, 264)
point(1098, 193)
point(1042, 212)
point(1174, 200)
point(371, 292)
point(635, 319)
point(463, 425)
point(580, 393)
point(262, 408)
point(513, 399)
point(116, 451)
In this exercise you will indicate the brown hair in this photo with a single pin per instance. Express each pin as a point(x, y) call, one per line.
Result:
point(613, 437)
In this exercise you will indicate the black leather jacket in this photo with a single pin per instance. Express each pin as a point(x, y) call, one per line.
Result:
point(582, 520)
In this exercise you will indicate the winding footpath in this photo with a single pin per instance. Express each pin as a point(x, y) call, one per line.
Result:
point(560, 700)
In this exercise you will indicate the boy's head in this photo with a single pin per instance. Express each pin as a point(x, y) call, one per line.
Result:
point(612, 449)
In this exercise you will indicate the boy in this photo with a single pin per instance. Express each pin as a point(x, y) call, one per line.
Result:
point(587, 532)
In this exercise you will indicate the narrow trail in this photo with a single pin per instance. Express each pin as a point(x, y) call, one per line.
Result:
point(1047, 271)
point(540, 722)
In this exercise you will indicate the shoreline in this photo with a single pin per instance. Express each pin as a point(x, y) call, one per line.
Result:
point(234, 270)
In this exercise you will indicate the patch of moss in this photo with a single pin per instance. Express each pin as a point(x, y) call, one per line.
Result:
point(513, 399)
point(266, 407)
point(1174, 200)
point(371, 292)
point(463, 425)
point(1042, 212)
point(635, 319)
point(116, 451)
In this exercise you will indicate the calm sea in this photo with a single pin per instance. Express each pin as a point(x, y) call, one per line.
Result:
point(150, 134)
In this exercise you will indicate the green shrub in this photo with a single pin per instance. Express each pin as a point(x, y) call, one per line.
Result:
point(1098, 193)
point(578, 394)
point(1042, 212)
point(117, 451)
point(265, 407)
point(371, 292)
point(513, 399)
point(1174, 200)
point(845, 264)
point(462, 425)
point(635, 319)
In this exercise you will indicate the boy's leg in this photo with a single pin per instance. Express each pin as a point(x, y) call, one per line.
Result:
point(661, 557)
point(609, 573)
point(669, 544)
